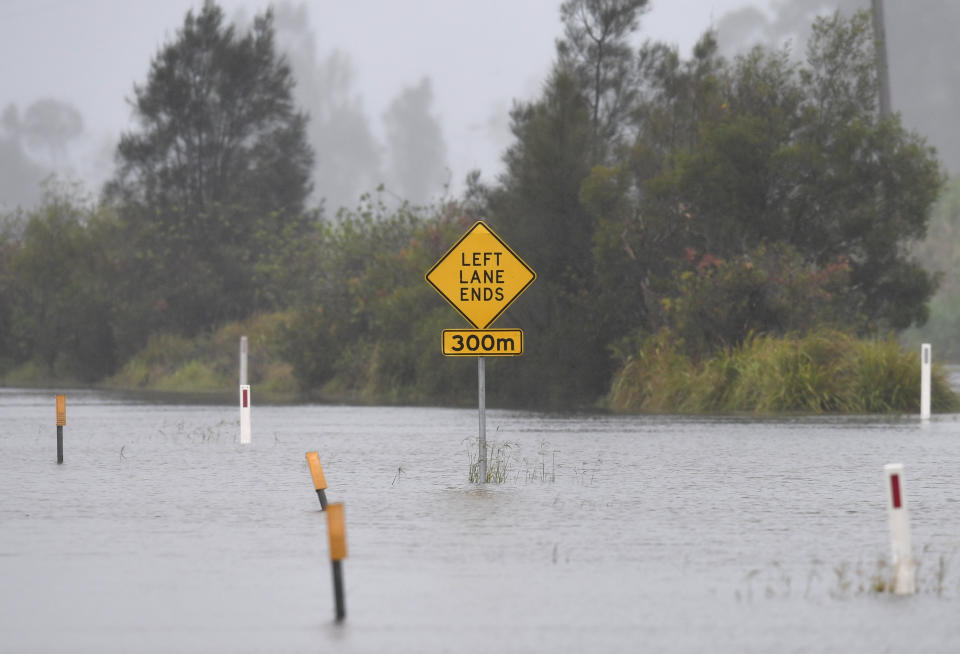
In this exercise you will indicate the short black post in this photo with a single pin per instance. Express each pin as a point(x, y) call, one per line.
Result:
point(61, 421)
point(319, 481)
point(337, 531)
point(338, 589)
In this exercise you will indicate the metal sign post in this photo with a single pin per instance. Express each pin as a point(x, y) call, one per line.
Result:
point(480, 276)
point(482, 386)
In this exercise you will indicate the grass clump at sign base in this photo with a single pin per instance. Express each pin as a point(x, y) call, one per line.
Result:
point(825, 371)
point(505, 459)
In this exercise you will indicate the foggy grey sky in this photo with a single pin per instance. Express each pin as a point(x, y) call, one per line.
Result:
point(480, 55)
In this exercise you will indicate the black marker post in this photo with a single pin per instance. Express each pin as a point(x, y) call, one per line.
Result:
point(338, 552)
point(319, 481)
point(61, 421)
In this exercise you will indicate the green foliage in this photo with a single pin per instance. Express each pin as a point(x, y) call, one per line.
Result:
point(705, 224)
point(721, 303)
point(55, 305)
point(193, 377)
point(371, 329)
point(499, 459)
point(209, 363)
point(825, 371)
point(537, 211)
point(732, 157)
point(596, 50)
point(211, 188)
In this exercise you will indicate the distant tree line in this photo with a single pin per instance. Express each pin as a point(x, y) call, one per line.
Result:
point(707, 199)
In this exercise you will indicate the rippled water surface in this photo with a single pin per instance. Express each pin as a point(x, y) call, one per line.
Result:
point(161, 533)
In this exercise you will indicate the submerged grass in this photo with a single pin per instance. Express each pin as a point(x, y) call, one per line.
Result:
point(826, 371)
point(847, 579)
point(506, 462)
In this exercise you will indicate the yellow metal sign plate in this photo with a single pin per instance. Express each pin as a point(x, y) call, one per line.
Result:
point(482, 342)
point(480, 276)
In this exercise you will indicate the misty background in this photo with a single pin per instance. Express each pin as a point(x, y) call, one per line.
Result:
point(409, 95)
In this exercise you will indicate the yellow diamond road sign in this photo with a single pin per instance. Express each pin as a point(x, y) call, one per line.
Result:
point(480, 276)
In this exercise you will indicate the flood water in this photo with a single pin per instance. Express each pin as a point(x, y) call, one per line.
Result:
point(161, 533)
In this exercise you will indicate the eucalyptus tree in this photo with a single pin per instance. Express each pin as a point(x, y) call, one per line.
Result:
point(596, 48)
point(580, 121)
point(211, 185)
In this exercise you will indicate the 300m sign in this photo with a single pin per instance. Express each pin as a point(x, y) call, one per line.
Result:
point(483, 342)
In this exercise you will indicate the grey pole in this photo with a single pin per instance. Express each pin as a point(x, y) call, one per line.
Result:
point(482, 385)
point(243, 361)
point(883, 71)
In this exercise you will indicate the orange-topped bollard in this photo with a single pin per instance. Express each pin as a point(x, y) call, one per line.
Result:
point(338, 551)
point(319, 481)
point(61, 422)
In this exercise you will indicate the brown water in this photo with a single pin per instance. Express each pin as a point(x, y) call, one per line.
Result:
point(160, 533)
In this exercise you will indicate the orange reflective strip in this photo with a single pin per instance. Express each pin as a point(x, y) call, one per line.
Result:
point(338, 532)
point(316, 470)
point(61, 410)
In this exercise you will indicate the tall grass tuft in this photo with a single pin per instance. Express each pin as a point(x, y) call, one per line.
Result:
point(499, 458)
point(825, 371)
point(505, 460)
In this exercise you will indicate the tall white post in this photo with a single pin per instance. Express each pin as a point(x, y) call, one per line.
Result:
point(243, 360)
point(925, 365)
point(245, 414)
point(903, 564)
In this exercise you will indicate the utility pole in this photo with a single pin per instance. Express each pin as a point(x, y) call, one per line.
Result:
point(883, 71)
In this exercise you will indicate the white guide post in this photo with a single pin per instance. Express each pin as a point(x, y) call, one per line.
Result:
point(243, 360)
point(925, 364)
point(245, 414)
point(903, 564)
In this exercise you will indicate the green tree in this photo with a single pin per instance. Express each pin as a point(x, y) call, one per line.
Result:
point(537, 211)
point(213, 182)
point(371, 326)
point(578, 122)
point(735, 156)
point(54, 290)
point(596, 49)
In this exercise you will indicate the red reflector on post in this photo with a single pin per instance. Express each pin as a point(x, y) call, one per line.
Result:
point(245, 398)
point(895, 490)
